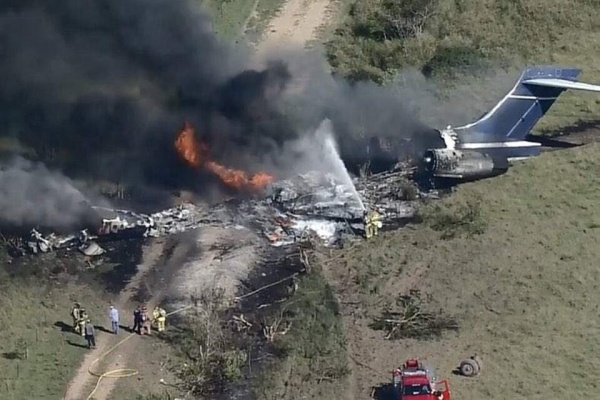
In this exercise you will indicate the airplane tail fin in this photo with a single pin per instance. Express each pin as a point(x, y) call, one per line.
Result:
point(529, 100)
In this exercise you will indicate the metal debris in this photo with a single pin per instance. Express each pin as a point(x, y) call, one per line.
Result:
point(291, 209)
point(316, 195)
point(92, 249)
point(391, 192)
point(38, 243)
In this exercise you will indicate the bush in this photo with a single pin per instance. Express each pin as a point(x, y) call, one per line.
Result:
point(454, 58)
point(446, 37)
point(211, 359)
point(455, 220)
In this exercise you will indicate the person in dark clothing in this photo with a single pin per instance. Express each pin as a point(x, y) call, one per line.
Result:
point(90, 334)
point(137, 320)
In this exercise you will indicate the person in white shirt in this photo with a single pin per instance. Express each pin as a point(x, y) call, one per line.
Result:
point(114, 319)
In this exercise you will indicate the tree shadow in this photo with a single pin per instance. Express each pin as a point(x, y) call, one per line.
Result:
point(83, 346)
point(64, 327)
point(125, 328)
point(102, 329)
point(12, 355)
point(385, 391)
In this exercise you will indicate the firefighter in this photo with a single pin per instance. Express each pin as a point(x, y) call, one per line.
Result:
point(160, 316)
point(145, 320)
point(372, 223)
point(162, 319)
point(83, 317)
point(155, 315)
point(367, 221)
point(75, 312)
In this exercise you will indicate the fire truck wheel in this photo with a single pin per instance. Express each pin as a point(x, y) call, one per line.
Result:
point(469, 368)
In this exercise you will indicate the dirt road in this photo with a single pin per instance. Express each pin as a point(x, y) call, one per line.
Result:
point(79, 387)
point(296, 24)
point(179, 268)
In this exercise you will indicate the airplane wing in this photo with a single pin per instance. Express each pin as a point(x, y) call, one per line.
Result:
point(562, 83)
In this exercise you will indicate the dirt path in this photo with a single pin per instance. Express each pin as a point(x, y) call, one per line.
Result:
point(215, 257)
point(296, 24)
point(289, 35)
point(226, 257)
point(78, 387)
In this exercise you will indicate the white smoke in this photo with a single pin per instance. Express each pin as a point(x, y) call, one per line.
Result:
point(32, 195)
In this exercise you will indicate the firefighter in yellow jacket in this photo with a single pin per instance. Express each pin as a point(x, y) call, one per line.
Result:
point(372, 223)
point(160, 316)
point(75, 311)
point(83, 317)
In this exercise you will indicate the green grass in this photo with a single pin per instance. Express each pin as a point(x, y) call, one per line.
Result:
point(235, 19)
point(258, 24)
point(525, 290)
point(315, 362)
point(33, 312)
point(229, 17)
point(463, 36)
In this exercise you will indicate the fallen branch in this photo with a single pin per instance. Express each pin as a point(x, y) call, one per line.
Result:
point(238, 298)
point(304, 261)
point(270, 331)
point(412, 320)
point(241, 323)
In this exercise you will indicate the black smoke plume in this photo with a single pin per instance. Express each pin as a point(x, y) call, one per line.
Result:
point(107, 85)
point(101, 88)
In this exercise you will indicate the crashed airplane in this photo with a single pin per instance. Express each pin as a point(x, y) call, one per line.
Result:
point(317, 202)
point(288, 210)
point(486, 147)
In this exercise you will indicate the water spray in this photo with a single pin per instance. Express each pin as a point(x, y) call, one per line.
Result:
point(332, 155)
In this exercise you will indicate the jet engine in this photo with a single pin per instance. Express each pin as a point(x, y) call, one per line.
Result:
point(463, 165)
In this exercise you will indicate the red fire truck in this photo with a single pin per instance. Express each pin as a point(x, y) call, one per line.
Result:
point(414, 382)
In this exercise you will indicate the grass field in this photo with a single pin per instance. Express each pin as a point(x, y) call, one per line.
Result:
point(236, 20)
point(260, 19)
point(315, 363)
point(457, 38)
point(229, 17)
point(39, 353)
point(525, 291)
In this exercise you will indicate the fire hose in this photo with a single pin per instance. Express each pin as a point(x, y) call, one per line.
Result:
point(122, 372)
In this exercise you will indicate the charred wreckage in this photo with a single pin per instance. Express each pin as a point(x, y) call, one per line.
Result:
point(330, 205)
point(288, 210)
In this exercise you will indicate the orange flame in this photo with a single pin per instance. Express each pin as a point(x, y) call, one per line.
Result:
point(196, 155)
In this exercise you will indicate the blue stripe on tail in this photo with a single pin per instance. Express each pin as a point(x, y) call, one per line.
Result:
point(520, 110)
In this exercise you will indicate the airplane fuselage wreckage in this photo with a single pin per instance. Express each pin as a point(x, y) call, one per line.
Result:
point(486, 147)
point(284, 210)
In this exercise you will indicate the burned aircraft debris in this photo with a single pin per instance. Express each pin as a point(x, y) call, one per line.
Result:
point(316, 195)
point(288, 211)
